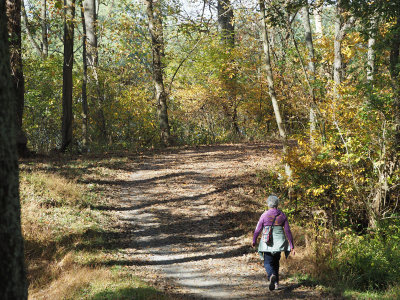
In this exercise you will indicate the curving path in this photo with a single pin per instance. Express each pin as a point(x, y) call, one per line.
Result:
point(186, 219)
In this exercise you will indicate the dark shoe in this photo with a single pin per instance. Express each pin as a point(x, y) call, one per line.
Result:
point(272, 282)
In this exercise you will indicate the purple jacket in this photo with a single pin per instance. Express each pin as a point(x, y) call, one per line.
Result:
point(267, 218)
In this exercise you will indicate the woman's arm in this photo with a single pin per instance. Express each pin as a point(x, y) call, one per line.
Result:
point(288, 233)
point(259, 228)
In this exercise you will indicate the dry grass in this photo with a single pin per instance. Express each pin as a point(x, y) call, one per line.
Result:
point(54, 220)
point(62, 233)
point(71, 281)
point(311, 254)
point(49, 189)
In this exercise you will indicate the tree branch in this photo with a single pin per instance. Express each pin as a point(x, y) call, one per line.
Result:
point(28, 32)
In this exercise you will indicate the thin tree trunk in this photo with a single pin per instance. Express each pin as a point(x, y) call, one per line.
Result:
point(270, 81)
point(14, 31)
point(371, 59)
point(311, 67)
point(93, 59)
point(67, 117)
point(85, 108)
point(371, 51)
point(318, 19)
point(91, 31)
point(153, 10)
point(12, 270)
point(43, 17)
point(337, 48)
point(340, 31)
point(309, 41)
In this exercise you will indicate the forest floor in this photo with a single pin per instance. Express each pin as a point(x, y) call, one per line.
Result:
point(184, 222)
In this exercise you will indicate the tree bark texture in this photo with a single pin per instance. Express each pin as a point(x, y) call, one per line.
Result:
point(157, 39)
point(90, 16)
point(227, 35)
point(67, 117)
point(371, 59)
point(14, 32)
point(341, 25)
point(13, 283)
point(89, 9)
point(309, 40)
point(371, 51)
point(270, 81)
point(268, 69)
point(311, 67)
point(318, 18)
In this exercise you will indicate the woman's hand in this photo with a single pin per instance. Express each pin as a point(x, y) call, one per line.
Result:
point(253, 245)
point(292, 251)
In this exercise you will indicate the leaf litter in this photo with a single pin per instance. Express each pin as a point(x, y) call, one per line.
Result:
point(185, 222)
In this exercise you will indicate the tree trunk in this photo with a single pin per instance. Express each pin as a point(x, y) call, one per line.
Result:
point(91, 31)
point(43, 18)
point(341, 26)
point(309, 40)
point(270, 81)
point(90, 17)
point(13, 283)
point(226, 29)
point(153, 10)
point(226, 23)
point(318, 18)
point(337, 48)
point(14, 31)
point(371, 51)
point(85, 108)
point(67, 117)
point(311, 67)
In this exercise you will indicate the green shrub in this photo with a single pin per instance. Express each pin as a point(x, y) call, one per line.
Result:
point(368, 262)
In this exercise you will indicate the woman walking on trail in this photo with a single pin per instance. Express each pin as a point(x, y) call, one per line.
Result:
point(276, 237)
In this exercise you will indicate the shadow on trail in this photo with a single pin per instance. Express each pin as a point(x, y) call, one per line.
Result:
point(78, 166)
point(183, 232)
point(226, 254)
point(144, 205)
point(166, 201)
point(289, 287)
point(138, 182)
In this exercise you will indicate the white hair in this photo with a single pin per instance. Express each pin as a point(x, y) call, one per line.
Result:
point(273, 201)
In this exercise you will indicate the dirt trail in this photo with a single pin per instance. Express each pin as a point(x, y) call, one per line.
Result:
point(185, 220)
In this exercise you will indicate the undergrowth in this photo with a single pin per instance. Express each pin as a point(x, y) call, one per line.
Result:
point(350, 263)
